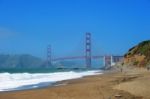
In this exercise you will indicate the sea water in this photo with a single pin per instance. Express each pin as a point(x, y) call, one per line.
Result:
point(21, 79)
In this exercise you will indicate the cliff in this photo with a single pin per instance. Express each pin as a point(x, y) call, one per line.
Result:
point(138, 55)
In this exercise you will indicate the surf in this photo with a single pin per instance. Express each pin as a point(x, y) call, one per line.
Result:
point(22, 81)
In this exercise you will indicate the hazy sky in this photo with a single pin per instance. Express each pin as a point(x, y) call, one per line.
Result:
point(28, 26)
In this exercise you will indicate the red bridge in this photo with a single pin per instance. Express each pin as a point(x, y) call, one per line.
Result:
point(76, 57)
point(108, 59)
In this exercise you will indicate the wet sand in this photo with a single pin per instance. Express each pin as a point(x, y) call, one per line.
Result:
point(130, 84)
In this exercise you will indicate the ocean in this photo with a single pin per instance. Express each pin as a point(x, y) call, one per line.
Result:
point(23, 79)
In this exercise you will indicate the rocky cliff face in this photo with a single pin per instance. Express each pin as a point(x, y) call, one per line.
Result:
point(139, 55)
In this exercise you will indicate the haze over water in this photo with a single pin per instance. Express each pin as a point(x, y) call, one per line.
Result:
point(29, 26)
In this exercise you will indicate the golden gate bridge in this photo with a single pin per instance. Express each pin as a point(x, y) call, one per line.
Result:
point(108, 60)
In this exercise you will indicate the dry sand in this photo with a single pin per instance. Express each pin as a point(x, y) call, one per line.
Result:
point(139, 86)
point(131, 84)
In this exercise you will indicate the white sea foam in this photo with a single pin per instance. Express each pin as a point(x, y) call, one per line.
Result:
point(9, 82)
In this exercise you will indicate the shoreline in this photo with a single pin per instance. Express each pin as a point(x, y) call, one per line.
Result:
point(51, 84)
point(103, 86)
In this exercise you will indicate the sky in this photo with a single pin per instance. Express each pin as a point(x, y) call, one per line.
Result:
point(28, 26)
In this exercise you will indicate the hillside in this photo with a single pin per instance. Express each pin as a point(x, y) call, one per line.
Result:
point(20, 61)
point(138, 55)
point(29, 61)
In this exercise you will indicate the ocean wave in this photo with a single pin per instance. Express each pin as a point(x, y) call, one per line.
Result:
point(17, 81)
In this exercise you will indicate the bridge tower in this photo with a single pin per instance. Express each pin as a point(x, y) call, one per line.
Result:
point(49, 58)
point(88, 57)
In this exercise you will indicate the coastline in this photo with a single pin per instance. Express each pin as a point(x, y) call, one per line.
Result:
point(103, 86)
point(25, 81)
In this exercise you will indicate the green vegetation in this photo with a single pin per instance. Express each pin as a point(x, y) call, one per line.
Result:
point(142, 48)
point(136, 63)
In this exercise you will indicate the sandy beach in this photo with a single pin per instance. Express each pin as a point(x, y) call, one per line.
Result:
point(129, 84)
